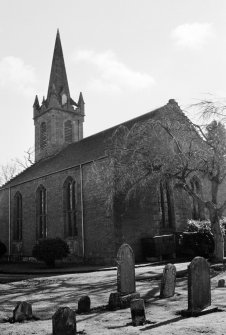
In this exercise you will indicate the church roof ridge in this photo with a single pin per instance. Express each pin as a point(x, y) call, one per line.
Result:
point(89, 148)
point(133, 120)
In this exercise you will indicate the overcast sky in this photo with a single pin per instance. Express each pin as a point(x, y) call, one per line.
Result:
point(126, 56)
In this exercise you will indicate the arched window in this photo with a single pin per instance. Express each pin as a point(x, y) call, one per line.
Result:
point(196, 208)
point(166, 206)
point(70, 208)
point(68, 131)
point(41, 213)
point(43, 136)
point(17, 224)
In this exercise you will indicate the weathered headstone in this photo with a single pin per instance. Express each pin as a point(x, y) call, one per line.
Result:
point(114, 301)
point(199, 289)
point(137, 312)
point(126, 270)
point(22, 311)
point(221, 283)
point(84, 304)
point(64, 322)
point(168, 282)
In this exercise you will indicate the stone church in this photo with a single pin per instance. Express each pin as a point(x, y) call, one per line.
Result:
point(55, 198)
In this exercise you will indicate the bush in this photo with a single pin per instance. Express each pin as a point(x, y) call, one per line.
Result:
point(3, 249)
point(204, 226)
point(49, 250)
point(200, 239)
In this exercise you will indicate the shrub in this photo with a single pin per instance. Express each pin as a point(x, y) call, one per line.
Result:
point(3, 249)
point(200, 240)
point(49, 250)
point(204, 226)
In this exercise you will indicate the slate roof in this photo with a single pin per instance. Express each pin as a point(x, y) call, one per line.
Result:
point(86, 150)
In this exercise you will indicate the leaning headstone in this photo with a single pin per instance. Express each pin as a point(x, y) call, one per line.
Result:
point(64, 322)
point(126, 270)
point(221, 283)
point(22, 311)
point(137, 312)
point(199, 289)
point(84, 304)
point(168, 282)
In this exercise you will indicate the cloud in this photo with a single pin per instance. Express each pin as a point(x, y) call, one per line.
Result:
point(112, 75)
point(16, 75)
point(192, 35)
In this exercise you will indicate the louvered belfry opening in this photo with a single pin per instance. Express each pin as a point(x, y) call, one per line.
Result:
point(68, 131)
point(43, 136)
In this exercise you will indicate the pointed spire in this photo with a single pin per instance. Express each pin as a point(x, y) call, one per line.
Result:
point(58, 76)
point(36, 102)
point(81, 100)
point(81, 103)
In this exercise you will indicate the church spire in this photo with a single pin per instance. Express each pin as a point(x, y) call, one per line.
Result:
point(58, 78)
point(59, 119)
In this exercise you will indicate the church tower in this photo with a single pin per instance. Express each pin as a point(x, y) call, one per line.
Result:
point(59, 119)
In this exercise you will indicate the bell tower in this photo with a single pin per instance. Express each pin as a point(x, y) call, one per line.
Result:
point(58, 120)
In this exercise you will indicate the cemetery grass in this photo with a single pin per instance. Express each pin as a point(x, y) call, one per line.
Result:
point(48, 293)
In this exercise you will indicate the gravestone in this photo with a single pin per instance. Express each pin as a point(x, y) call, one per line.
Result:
point(199, 289)
point(84, 304)
point(22, 311)
point(221, 283)
point(168, 282)
point(126, 270)
point(137, 312)
point(64, 322)
point(114, 301)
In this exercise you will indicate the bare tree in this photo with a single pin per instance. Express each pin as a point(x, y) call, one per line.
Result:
point(8, 171)
point(162, 150)
point(27, 160)
point(15, 166)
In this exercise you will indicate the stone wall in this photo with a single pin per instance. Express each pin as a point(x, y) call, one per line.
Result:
point(98, 222)
point(98, 229)
point(55, 130)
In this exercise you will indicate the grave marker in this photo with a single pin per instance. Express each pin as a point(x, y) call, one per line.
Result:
point(168, 282)
point(84, 304)
point(22, 311)
point(199, 294)
point(126, 270)
point(221, 283)
point(137, 312)
point(64, 322)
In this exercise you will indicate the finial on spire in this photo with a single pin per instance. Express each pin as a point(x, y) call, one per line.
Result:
point(36, 102)
point(81, 103)
point(81, 100)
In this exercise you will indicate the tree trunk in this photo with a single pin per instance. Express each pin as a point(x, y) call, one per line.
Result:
point(218, 236)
